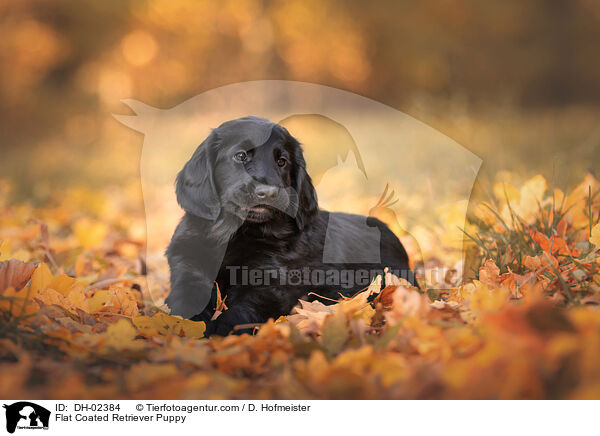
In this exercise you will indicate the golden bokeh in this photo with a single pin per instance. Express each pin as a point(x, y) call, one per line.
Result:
point(139, 48)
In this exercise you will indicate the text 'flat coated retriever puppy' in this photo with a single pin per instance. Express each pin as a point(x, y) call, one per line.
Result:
point(252, 225)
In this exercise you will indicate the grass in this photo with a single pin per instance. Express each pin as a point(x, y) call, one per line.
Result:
point(508, 244)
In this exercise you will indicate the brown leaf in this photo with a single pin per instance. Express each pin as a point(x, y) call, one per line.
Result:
point(386, 296)
point(15, 274)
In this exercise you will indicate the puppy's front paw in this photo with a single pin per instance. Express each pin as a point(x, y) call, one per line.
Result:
point(216, 328)
point(225, 324)
point(219, 327)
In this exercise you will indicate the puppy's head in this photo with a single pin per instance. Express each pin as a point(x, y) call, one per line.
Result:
point(251, 169)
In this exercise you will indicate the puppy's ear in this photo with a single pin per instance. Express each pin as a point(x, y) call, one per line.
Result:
point(307, 196)
point(195, 186)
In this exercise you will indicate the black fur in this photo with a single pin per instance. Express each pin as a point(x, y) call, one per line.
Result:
point(230, 226)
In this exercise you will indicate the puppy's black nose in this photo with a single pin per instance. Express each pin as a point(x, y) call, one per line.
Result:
point(265, 192)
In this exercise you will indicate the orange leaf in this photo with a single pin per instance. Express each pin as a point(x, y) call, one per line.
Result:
point(489, 273)
point(554, 245)
point(50, 296)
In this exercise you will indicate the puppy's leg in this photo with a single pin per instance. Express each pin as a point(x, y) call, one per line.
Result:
point(191, 291)
point(240, 314)
point(251, 305)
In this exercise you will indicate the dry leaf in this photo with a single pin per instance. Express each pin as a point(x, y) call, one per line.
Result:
point(15, 274)
point(164, 324)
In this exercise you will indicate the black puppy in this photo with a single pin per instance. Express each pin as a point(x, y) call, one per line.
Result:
point(253, 226)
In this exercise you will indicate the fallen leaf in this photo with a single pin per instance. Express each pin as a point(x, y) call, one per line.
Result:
point(121, 336)
point(164, 324)
point(335, 333)
point(98, 300)
point(15, 274)
point(90, 233)
point(489, 273)
point(41, 278)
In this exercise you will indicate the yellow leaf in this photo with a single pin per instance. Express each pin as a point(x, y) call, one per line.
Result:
point(335, 334)
point(192, 329)
point(453, 216)
point(121, 336)
point(89, 234)
point(5, 250)
point(41, 278)
point(579, 196)
point(22, 255)
point(366, 314)
point(353, 304)
point(98, 300)
point(359, 358)
point(169, 325)
point(595, 238)
point(161, 323)
point(392, 369)
point(525, 204)
point(77, 299)
point(483, 298)
point(63, 284)
point(506, 191)
point(533, 191)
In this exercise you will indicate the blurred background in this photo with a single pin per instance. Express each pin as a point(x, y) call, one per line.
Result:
point(515, 82)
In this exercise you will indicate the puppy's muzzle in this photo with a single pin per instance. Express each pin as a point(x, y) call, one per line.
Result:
point(266, 192)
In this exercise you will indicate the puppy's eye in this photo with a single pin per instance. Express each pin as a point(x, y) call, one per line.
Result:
point(240, 156)
point(281, 162)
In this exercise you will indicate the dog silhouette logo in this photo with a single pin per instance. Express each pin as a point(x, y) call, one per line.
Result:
point(26, 415)
point(360, 154)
